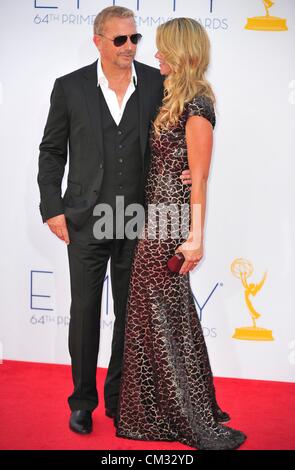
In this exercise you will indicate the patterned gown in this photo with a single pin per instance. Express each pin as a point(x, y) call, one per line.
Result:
point(167, 390)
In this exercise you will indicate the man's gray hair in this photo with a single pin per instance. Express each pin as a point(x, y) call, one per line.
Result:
point(108, 13)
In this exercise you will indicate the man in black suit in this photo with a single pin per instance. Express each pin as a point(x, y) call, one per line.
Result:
point(103, 112)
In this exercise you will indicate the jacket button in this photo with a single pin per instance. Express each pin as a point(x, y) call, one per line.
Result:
point(100, 165)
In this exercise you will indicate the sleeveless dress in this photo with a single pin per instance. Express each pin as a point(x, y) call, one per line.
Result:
point(167, 390)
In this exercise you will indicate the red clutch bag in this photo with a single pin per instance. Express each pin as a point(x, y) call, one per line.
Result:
point(174, 264)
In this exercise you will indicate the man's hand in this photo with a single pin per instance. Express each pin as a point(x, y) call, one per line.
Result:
point(186, 177)
point(58, 226)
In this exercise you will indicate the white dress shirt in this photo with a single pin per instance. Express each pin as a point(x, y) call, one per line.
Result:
point(111, 97)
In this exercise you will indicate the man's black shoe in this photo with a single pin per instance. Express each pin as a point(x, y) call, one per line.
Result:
point(112, 413)
point(81, 421)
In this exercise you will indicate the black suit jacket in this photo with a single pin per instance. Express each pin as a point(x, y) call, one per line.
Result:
point(74, 126)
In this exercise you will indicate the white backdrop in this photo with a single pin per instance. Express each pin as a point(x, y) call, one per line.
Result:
point(250, 211)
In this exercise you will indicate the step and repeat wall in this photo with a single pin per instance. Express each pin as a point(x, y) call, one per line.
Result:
point(244, 287)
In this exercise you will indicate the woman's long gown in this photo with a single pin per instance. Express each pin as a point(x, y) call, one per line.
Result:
point(167, 390)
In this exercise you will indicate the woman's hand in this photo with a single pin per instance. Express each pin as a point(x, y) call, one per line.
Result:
point(186, 177)
point(193, 253)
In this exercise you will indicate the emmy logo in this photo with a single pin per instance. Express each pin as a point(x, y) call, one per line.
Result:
point(242, 269)
point(267, 22)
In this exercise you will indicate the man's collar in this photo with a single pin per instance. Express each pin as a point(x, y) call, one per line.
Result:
point(102, 80)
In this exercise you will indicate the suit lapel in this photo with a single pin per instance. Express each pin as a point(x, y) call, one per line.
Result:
point(93, 103)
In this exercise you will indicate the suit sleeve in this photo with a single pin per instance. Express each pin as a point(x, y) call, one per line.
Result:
point(53, 154)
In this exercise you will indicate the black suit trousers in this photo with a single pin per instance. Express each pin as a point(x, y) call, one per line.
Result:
point(88, 261)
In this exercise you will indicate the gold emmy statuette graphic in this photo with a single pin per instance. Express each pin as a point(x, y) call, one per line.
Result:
point(267, 22)
point(242, 269)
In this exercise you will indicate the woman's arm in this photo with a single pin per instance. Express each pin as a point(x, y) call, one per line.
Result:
point(199, 138)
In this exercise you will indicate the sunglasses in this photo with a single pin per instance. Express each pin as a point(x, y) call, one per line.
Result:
point(120, 40)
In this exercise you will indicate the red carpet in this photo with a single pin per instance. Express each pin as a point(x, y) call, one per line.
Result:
point(34, 412)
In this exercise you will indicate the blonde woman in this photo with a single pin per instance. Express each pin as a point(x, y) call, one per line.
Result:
point(167, 390)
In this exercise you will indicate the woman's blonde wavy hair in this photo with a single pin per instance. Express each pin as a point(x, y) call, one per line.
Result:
point(185, 46)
